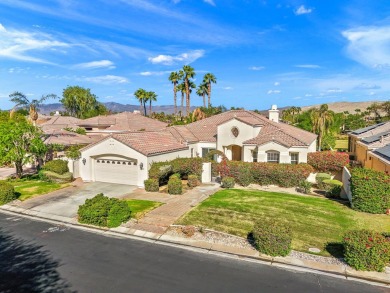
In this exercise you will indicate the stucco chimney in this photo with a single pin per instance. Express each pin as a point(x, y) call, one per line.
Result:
point(57, 113)
point(273, 114)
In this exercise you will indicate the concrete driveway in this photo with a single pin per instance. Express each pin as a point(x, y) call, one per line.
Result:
point(64, 203)
point(6, 172)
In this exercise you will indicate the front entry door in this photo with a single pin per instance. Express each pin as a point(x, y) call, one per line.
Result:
point(236, 153)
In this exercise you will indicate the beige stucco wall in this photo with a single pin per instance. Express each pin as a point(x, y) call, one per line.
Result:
point(361, 153)
point(377, 164)
point(168, 157)
point(111, 148)
point(198, 147)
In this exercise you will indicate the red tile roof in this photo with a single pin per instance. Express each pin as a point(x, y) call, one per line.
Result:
point(67, 138)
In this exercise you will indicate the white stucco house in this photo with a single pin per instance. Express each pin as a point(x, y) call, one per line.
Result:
point(241, 135)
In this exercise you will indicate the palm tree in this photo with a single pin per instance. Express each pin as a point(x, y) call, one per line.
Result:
point(175, 77)
point(152, 97)
point(182, 88)
point(202, 92)
point(189, 73)
point(21, 100)
point(322, 118)
point(141, 96)
point(208, 79)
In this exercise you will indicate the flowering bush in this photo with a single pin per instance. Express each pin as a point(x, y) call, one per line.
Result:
point(328, 161)
point(370, 191)
point(366, 250)
point(284, 175)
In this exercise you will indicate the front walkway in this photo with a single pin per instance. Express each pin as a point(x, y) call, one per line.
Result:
point(158, 220)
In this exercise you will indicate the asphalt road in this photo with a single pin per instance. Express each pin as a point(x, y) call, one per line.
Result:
point(42, 257)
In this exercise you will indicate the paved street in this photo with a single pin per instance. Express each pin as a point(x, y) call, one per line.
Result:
point(54, 258)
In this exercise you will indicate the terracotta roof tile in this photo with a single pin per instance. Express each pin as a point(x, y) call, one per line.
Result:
point(67, 138)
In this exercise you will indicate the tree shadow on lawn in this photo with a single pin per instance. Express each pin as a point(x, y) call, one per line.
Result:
point(26, 267)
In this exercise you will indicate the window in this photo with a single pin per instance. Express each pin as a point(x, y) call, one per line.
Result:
point(273, 157)
point(294, 158)
point(254, 156)
point(205, 151)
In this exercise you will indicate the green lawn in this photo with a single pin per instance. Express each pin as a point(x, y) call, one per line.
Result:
point(315, 221)
point(341, 144)
point(31, 188)
point(141, 207)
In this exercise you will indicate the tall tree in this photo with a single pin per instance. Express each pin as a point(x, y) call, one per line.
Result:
point(208, 79)
point(175, 77)
point(202, 92)
point(376, 109)
point(322, 119)
point(152, 97)
point(141, 96)
point(20, 143)
point(182, 88)
point(80, 102)
point(189, 73)
point(21, 100)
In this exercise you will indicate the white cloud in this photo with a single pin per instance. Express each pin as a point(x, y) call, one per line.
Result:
point(227, 88)
point(256, 68)
point(368, 86)
point(22, 45)
point(276, 83)
point(310, 66)
point(211, 2)
point(334, 90)
point(273, 92)
point(308, 95)
point(369, 45)
point(155, 73)
point(297, 98)
point(303, 10)
point(96, 64)
point(106, 79)
point(372, 94)
point(185, 58)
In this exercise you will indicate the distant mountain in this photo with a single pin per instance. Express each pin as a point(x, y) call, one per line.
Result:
point(112, 106)
point(339, 107)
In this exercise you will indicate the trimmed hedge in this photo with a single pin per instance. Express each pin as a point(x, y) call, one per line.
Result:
point(366, 250)
point(193, 181)
point(175, 186)
point(151, 185)
point(320, 177)
point(370, 191)
point(328, 161)
point(175, 175)
point(272, 237)
point(7, 192)
point(55, 177)
point(284, 175)
point(183, 166)
point(56, 166)
point(227, 182)
point(332, 187)
point(103, 211)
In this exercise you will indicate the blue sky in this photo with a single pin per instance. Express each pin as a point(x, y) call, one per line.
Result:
point(290, 52)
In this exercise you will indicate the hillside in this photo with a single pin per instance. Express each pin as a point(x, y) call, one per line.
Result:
point(339, 107)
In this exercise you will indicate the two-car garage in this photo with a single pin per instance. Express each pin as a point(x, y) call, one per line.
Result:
point(115, 170)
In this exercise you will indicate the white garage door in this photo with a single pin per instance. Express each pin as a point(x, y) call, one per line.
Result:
point(116, 171)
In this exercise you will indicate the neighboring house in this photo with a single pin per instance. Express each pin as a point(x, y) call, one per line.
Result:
point(241, 135)
point(379, 159)
point(67, 138)
point(119, 123)
point(58, 122)
point(366, 141)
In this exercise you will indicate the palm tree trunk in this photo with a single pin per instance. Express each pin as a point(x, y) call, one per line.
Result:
point(140, 107)
point(150, 107)
point(209, 94)
point(182, 104)
point(204, 100)
point(174, 98)
point(187, 98)
point(144, 108)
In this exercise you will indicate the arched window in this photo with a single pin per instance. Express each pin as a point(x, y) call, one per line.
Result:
point(273, 157)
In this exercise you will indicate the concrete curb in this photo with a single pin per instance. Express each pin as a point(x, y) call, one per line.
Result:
point(202, 247)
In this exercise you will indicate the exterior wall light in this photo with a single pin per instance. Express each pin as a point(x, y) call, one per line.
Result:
point(141, 166)
point(84, 161)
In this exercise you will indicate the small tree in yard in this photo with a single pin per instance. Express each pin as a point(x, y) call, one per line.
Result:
point(19, 143)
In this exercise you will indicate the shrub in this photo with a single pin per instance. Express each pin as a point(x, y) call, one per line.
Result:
point(175, 186)
point(103, 211)
point(118, 213)
point(370, 191)
point(189, 231)
point(193, 181)
point(332, 187)
point(284, 175)
point(227, 182)
point(328, 161)
point(304, 187)
point(320, 177)
point(366, 250)
point(7, 192)
point(55, 177)
point(272, 237)
point(57, 166)
point(175, 175)
point(151, 185)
